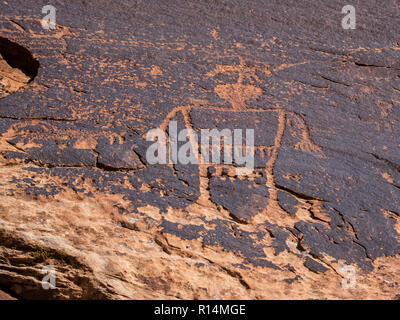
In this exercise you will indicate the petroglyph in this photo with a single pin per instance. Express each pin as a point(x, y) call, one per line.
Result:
point(237, 94)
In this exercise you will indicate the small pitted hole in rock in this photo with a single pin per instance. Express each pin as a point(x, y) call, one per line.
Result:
point(17, 67)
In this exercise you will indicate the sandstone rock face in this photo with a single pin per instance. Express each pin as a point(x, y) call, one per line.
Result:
point(317, 218)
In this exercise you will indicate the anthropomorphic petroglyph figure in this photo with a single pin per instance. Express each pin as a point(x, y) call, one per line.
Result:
point(237, 94)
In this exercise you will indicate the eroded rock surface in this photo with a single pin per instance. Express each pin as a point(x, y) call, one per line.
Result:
point(78, 194)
